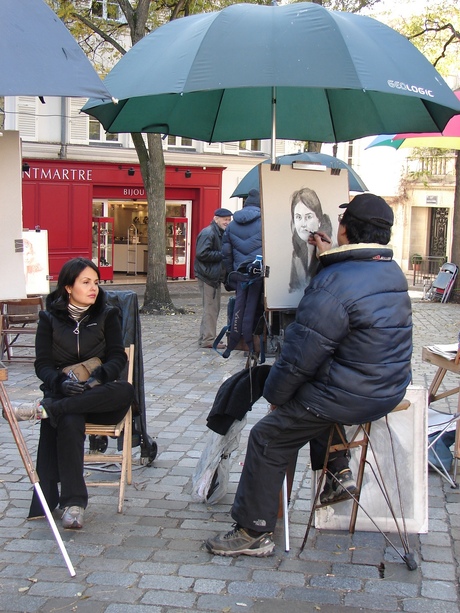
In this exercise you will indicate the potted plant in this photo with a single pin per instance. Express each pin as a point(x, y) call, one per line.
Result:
point(416, 260)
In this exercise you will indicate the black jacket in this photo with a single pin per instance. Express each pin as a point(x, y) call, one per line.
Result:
point(208, 256)
point(236, 396)
point(347, 355)
point(57, 345)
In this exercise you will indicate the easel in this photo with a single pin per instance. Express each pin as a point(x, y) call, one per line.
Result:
point(443, 365)
point(10, 416)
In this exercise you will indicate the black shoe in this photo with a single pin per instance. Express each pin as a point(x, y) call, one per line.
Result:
point(340, 487)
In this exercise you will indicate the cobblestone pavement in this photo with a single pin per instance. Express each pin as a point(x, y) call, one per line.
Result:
point(151, 558)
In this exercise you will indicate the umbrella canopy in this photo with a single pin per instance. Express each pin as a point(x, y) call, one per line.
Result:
point(251, 179)
point(449, 138)
point(385, 140)
point(218, 77)
point(39, 56)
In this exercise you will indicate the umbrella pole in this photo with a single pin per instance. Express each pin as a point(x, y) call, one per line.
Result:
point(273, 125)
point(10, 416)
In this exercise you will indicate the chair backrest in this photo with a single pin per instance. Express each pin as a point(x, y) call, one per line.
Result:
point(21, 311)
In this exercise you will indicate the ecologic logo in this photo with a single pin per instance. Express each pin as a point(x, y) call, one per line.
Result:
point(411, 88)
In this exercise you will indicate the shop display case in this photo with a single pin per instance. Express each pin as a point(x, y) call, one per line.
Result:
point(103, 246)
point(176, 247)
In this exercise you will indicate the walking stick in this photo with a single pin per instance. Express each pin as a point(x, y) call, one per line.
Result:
point(9, 413)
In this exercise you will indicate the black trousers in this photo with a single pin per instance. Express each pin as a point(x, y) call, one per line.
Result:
point(272, 443)
point(61, 449)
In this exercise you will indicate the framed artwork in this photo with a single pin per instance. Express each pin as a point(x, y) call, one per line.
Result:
point(36, 267)
point(407, 488)
point(295, 202)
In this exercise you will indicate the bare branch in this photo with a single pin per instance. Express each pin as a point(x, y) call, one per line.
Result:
point(93, 26)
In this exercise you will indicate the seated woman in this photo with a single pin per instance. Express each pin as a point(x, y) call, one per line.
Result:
point(76, 325)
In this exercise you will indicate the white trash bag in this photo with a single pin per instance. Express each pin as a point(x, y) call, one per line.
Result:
point(210, 479)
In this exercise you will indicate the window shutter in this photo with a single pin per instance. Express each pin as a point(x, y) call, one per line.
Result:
point(27, 117)
point(212, 147)
point(79, 123)
point(232, 148)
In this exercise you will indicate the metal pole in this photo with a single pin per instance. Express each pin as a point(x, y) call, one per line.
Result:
point(273, 153)
point(10, 416)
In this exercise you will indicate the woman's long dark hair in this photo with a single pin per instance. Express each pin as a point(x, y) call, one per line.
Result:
point(69, 272)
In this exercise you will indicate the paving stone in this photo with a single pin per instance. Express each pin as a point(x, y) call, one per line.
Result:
point(439, 590)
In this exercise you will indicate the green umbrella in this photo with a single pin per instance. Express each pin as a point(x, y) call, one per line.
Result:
point(297, 71)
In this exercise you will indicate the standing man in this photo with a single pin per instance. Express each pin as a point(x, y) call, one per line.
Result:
point(242, 242)
point(210, 272)
point(345, 359)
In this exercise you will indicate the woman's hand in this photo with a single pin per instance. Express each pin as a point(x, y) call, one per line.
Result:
point(457, 357)
point(70, 387)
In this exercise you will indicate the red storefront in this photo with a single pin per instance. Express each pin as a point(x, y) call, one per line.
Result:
point(63, 196)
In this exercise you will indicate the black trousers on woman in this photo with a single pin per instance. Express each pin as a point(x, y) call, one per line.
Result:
point(61, 449)
point(273, 441)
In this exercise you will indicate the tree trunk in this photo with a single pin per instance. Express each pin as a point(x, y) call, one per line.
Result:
point(455, 254)
point(156, 297)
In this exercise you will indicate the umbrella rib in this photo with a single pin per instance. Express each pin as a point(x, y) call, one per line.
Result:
point(216, 116)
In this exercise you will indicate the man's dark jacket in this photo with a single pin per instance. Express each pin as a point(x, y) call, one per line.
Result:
point(208, 256)
point(347, 355)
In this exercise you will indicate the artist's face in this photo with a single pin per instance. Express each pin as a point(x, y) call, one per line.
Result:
point(84, 291)
point(305, 221)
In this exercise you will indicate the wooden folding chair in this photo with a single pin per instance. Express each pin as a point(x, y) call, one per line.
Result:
point(20, 317)
point(115, 430)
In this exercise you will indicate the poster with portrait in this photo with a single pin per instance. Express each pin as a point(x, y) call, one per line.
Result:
point(295, 202)
point(36, 266)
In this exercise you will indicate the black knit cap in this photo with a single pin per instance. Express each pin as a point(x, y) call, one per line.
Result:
point(253, 198)
point(370, 208)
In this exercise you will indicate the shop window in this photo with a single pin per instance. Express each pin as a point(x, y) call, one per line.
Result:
point(178, 141)
point(250, 145)
point(97, 134)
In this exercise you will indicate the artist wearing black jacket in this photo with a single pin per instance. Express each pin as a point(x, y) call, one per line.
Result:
point(345, 359)
point(76, 325)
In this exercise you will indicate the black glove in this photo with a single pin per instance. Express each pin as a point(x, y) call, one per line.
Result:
point(92, 382)
point(69, 387)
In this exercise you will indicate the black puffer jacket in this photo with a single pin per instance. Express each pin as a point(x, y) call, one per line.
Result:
point(57, 345)
point(347, 355)
point(208, 264)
